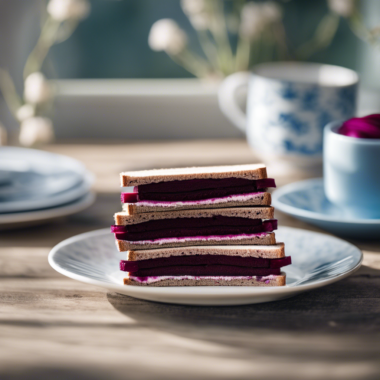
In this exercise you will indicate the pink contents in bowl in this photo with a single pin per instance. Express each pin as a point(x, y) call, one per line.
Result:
point(367, 127)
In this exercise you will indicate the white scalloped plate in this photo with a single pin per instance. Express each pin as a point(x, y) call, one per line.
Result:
point(93, 258)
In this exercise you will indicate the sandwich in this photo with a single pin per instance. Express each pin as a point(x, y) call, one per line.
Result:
point(231, 226)
point(195, 188)
point(207, 226)
point(212, 265)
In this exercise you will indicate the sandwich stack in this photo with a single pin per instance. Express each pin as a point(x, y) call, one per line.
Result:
point(206, 226)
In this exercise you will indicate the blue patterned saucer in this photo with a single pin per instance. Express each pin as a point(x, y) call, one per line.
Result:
point(306, 200)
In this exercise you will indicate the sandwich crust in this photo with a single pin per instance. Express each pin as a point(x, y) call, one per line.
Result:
point(267, 238)
point(267, 212)
point(264, 199)
point(144, 177)
point(273, 280)
point(275, 251)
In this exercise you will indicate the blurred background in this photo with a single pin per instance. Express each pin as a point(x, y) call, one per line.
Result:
point(110, 83)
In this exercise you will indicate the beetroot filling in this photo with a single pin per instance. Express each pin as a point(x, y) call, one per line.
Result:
point(204, 231)
point(188, 223)
point(206, 270)
point(179, 231)
point(129, 197)
point(162, 224)
point(134, 266)
point(197, 189)
point(202, 184)
point(198, 195)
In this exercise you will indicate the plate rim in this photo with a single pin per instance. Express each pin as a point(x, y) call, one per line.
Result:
point(47, 153)
point(76, 205)
point(248, 290)
point(55, 201)
point(78, 191)
point(292, 210)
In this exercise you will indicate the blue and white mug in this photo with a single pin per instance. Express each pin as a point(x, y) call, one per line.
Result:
point(288, 105)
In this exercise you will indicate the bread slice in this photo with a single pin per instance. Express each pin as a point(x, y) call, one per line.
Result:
point(144, 177)
point(123, 219)
point(259, 251)
point(264, 238)
point(272, 280)
point(246, 200)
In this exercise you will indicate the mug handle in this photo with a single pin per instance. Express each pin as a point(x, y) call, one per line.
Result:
point(227, 98)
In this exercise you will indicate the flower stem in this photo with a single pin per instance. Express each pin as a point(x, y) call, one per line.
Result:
point(9, 92)
point(66, 29)
point(219, 31)
point(360, 30)
point(209, 49)
point(45, 42)
point(242, 54)
point(280, 38)
point(192, 63)
point(322, 38)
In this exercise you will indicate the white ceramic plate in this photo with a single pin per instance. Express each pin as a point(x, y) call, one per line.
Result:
point(20, 219)
point(306, 200)
point(33, 179)
point(318, 260)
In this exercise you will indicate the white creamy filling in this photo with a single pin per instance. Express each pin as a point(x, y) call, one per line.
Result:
point(229, 198)
point(152, 279)
point(200, 238)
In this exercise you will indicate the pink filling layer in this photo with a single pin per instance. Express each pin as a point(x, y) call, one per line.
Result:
point(152, 279)
point(229, 198)
point(200, 238)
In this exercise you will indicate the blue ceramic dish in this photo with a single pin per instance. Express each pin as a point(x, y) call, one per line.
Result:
point(351, 168)
point(306, 200)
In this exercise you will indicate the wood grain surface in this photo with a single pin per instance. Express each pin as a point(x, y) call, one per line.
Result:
point(52, 327)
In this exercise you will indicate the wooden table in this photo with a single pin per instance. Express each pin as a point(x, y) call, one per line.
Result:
point(52, 327)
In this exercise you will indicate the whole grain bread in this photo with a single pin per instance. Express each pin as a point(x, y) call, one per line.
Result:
point(267, 238)
point(259, 251)
point(123, 219)
point(144, 177)
point(261, 199)
point(273, 280)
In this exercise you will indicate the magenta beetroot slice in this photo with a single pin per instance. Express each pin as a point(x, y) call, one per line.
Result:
point(129, 197)
point(206, 270)
point(266, 226)
point(202, 184)
point(254, 262)
point(367, 127)
point(162, 224)
point(190, 192)
point(199, 195)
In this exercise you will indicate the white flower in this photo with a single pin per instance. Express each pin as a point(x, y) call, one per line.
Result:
point(343, 8)
point(25, 112)
point(197, 12)
point(257, 16)
point(251, 20)
point(37, 89)
point(166, 35)
point(271, 12)
point(193, 7)
point(200, 21)
point(62, 10)
point(36, 130)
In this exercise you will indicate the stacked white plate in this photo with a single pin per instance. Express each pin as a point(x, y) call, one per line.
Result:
point(36, 186)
